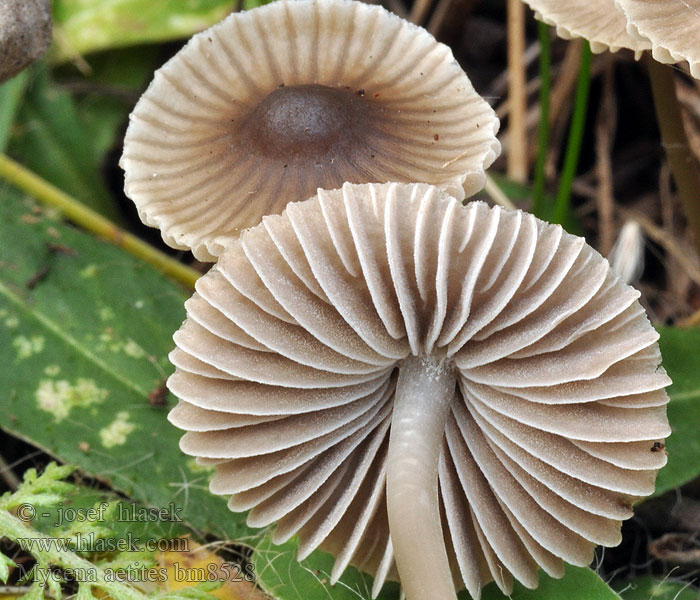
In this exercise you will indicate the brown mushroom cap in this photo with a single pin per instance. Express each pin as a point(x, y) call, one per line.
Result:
point(271, 104)
point(292, 366)
point(672, 27)
point(598, 21)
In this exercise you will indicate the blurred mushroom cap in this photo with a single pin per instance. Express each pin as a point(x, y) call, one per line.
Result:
point(673, 28)
point(288, 360)
point(25, 34)
point(271, 104)
point(598, 21)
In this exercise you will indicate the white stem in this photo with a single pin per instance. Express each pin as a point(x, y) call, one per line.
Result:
point(424, 394)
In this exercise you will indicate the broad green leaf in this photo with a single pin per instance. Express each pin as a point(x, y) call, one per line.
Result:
point(104, 98)
point(652, 588)
point(282, 577)
point(680, 349)
point(579, 583)
point(87, 25)
point(11, 94)
point(51, 139)
point(84, 334)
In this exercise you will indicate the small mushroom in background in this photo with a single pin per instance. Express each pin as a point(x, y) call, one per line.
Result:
point(271, 104)
point(598, 21)
point(673, 28)
point(437, 393)
point(25, 34)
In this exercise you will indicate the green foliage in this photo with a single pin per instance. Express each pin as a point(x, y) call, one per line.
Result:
point(579, 583)
point(5, 564)
point(281, 576)
point(40, 490)
point(85, 332)
point(651, 588)
point(51, 553)
point(11, 95)
point(87, 25)
point(680, 359)
point(49, 136)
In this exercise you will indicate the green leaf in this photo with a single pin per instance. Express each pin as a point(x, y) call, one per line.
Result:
point(85, 331)
point(36, 592)
point(280, 575)
point(104, 97)
point(84, 592)
point(11, 94)
point(51, 139)
point(87, 25)
point(579, 583)
point(651, 588)
point(679, 349)
point(5, 564)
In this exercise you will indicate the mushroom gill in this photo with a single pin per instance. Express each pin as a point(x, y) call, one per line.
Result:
point(381, 364)
point(271, 104)
point(672, 27)
point(598, 21)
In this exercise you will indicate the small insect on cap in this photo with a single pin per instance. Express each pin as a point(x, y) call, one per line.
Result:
point(411, 383)
point(271, 104)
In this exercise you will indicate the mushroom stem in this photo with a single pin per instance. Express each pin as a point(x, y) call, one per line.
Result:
point(422, 403)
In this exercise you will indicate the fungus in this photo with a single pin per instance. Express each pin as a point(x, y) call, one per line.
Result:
point(430, 391)
point(25, 34)
point(598, 21)
point(271, 104)
point(671, 27)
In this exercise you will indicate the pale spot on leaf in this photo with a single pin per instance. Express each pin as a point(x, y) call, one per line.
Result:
point(27, 347)
point(106, 313)
point(116, 432)
point(88, 271)
point(59, 397)
point(52, 370)
point(195, 467)
point(131, 348)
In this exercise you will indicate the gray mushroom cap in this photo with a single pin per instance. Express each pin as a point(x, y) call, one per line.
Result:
point(271, 104)
point(381, 362)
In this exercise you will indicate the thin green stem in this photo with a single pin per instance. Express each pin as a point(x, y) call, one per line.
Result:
point(681, 160)
point(92, 221)
point(543, 127)
point(573, 146)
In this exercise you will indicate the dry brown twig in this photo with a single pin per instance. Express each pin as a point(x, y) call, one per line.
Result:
point(605, 127)
point(517, 95)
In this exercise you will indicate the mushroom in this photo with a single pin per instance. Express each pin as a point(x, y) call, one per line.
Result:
point(25, 34)
point(598, 21)
point(271, 104)
point(673, 28)
point(430, 391)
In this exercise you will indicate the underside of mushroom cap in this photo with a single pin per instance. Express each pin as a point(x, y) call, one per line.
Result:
point(271, 104)
point(672, 27)
point(291, 362)
point(598, 21)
